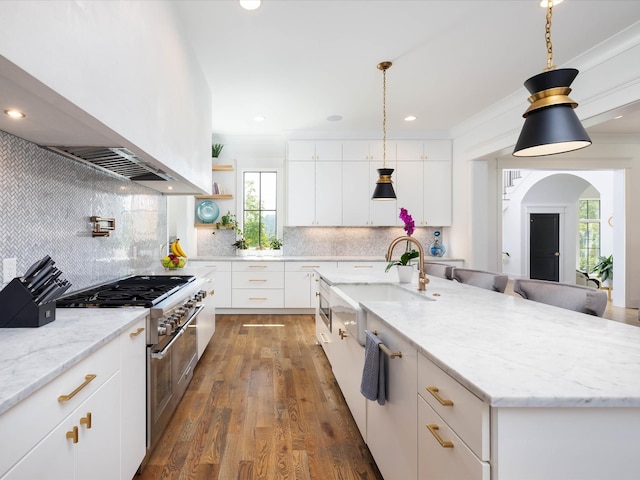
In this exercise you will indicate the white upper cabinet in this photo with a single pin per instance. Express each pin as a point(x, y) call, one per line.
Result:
point(314, 183)
point(412, 150)
point(423, 181)
point(301, 200)
point(305, 150)
point(330, 183)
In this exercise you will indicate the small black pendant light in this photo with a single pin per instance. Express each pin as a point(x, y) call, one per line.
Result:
point(551, 126)
point(384, 185)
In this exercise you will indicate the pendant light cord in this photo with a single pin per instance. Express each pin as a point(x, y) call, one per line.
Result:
point(384, 118)
point(547, 37)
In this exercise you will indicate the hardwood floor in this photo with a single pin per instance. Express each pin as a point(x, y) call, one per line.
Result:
point(263, 404)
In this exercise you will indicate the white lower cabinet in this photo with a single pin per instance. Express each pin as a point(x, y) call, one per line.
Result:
point(347, 366)
point(206, 324)
point(218, 276)
point(133, 394)
point(453, 428)
point(90, 422)
point(84, 445)
point(257, 284)
point(442, 455)
point(300, 284)
point(391, 428)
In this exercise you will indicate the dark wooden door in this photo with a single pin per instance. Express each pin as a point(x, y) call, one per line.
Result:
point(544, 246)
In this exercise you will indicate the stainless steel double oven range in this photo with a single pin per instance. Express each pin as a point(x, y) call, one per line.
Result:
point(174, 305)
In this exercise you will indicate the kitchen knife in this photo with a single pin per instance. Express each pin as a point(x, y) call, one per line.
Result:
point(47, 281)
point(41, 277)
point(42, 295)
point(36, 266)
point(39, 265)
point(60, 288)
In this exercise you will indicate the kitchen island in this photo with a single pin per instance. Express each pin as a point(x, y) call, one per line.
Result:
point(540, 392)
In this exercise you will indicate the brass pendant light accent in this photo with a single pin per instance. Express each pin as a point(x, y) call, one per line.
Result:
point(384, 185)
point(551, 126)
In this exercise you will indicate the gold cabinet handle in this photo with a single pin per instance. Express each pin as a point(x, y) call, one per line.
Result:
point(137, 332)
point(73, 434)
point(433, 428)
point(257, 280)
point(87, 380)
point(434, 391)
point(342, 333)
point(212, 293)
point(257, 298)
point(86, 420)
point(363, 266)
point(257, 266)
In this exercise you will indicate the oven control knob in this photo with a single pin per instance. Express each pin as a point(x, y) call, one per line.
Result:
point(191, 303)
point(162, 329)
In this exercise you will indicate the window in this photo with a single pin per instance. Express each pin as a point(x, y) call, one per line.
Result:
point(259, 219)
point(589, 233)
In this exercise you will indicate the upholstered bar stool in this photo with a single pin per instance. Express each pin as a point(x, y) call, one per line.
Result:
point(479, 278)
point(441, 270)
point(572, 297)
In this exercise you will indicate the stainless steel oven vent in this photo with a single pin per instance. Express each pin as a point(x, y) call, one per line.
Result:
point(116, 160)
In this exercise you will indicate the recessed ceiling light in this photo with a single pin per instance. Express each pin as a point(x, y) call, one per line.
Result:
point(250, 4)
point(410, 118)
point(14, 113)
point(544, 3)
point(169, 187)
point(334, 118)
point(616, 118)
point(258, 118)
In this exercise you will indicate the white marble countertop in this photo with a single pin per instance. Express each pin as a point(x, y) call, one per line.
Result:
point(512, 352)
point(32, 357)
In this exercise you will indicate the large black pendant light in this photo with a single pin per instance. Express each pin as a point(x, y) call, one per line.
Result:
point(551, 126)
point(384, 185)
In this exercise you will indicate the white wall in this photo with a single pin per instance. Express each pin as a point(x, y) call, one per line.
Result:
point(124, 63)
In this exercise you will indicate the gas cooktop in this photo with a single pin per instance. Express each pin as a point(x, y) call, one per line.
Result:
point(134, 291)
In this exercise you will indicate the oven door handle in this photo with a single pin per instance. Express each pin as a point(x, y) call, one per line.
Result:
point(162, 353)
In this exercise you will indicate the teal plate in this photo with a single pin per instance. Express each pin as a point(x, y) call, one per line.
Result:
point(208, 211)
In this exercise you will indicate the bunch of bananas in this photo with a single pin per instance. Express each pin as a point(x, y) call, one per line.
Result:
point(177, 250)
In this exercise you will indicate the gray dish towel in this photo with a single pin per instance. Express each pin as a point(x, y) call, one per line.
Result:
point(373, 384)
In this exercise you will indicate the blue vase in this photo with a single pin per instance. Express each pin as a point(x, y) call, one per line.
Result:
point(436, 249)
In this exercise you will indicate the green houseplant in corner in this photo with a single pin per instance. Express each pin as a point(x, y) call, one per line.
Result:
point(604, 269)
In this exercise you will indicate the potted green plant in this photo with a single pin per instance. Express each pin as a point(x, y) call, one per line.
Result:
point(405, 269)
point(604, 269)
point(241, 246)
point(275, 244)
point(216, 148)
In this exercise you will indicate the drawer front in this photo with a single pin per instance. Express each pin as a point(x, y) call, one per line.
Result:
point(441, 453)
point(362, 266)
point(257, 298)
point(255, 280)
point(264, 266)
point(24, 425)
point(213, 266)
point(462, 410)
point(306, 266)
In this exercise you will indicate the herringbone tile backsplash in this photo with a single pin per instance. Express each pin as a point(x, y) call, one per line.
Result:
point(45, 204)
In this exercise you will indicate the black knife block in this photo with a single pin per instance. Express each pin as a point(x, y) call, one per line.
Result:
point(18, 309)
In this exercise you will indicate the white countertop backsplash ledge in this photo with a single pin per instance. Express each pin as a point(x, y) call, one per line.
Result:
point(512, 352)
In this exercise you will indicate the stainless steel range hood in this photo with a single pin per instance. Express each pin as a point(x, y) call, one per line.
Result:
point(117, 160)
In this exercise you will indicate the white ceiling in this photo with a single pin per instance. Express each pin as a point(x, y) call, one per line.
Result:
point(297, 62)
